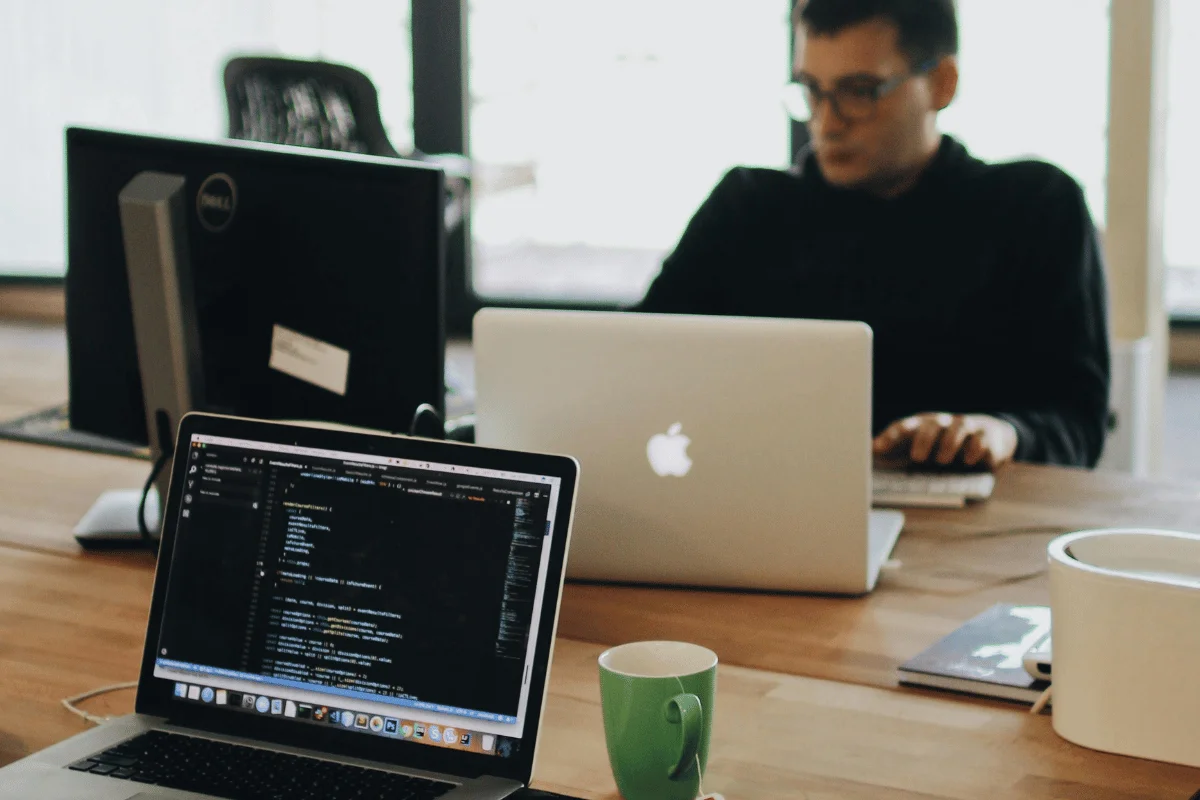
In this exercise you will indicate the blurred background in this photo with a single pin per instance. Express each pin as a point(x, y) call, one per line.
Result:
point(594, 130)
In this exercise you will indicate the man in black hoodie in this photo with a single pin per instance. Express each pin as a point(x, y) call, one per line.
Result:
point(983, 283)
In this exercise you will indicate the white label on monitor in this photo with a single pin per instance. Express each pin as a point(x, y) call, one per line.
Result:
point(309, 359)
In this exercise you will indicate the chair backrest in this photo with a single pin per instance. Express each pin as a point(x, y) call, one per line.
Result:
point(306, 103)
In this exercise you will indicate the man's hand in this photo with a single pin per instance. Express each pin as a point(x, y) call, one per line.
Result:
point(970, 440)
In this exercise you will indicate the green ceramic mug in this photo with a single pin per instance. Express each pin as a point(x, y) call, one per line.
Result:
point(657, 699)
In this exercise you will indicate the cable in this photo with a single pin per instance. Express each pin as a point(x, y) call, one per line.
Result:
point(1042, 700)
point(143, 528)
point(973, 536)
point(896, 567)
point(69, 702)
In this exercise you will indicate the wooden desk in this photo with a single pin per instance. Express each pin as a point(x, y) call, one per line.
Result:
point(947, 567)
point(71, 621)
point(71, 624)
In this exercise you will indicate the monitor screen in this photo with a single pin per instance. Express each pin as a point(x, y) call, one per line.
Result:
point(318, 282)
point(372, 595)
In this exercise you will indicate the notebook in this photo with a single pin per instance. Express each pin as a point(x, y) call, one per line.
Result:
point(985, 656)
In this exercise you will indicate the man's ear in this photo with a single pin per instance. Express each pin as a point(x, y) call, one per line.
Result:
point(943, 80)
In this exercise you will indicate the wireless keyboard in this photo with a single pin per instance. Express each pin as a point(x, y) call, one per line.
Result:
point(930, 489)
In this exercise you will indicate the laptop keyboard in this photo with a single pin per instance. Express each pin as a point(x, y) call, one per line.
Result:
point(248, 773)
point(916, 485)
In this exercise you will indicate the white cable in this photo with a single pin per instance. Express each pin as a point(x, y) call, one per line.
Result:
point(1042, 700)
point(69, 702)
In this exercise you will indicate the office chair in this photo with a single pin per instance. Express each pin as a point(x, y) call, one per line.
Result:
point(327, 106)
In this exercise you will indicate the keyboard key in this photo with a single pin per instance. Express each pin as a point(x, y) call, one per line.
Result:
point(82, 766)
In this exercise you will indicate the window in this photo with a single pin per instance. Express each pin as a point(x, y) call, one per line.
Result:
point(156, 67)
point(1181, 231)
point(594, 150)
point(1034, 84)
point(597, 129)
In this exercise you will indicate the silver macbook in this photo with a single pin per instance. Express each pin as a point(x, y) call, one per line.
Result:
point(335, 614)
point(719, 451)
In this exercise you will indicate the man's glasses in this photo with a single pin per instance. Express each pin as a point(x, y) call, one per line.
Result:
point(853, 99)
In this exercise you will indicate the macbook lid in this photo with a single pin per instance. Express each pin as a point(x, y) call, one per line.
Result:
point(720, 451)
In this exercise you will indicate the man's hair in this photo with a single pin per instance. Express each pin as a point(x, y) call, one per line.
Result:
point(928, 28)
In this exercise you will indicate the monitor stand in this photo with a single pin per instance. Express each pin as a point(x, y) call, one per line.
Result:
point(154, 233)
point(112, 519)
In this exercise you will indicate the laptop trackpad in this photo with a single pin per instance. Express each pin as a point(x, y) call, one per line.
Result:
point(56, 783)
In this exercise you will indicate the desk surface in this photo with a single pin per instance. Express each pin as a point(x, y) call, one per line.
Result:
point(812, 704)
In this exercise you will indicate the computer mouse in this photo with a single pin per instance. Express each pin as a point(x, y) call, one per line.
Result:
point(111, 522)
point(461, 429)
point(427, 422)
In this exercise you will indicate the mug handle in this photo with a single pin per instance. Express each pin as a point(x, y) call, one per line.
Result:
point(685, 710)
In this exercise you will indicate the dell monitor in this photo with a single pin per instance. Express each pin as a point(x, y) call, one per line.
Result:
point(316, 279)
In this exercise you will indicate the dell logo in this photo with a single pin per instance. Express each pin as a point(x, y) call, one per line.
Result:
point(216, 202)
point(220, 203)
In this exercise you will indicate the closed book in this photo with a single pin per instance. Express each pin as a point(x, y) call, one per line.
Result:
point(985, 656)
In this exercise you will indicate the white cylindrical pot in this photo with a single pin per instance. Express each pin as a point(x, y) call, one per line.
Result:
point(1125, 616)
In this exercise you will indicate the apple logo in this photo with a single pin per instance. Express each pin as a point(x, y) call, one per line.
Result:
point(668, 452)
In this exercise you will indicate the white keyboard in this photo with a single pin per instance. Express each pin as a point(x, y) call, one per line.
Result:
point(930, 489)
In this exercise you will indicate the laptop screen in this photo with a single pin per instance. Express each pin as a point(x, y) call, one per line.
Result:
point(378, 596)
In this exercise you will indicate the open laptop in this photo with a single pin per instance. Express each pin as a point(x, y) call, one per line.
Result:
point(335, 614)
point(720, 451)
